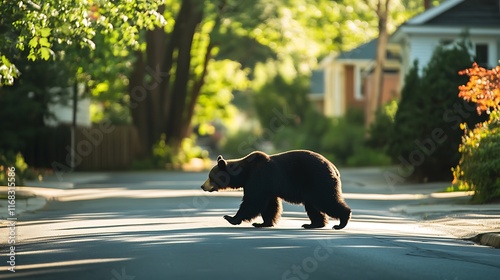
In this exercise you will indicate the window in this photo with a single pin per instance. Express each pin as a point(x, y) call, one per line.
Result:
point(481, 55)
point(359, 81)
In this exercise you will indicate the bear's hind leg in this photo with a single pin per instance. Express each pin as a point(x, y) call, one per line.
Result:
point(340, 211)
point(318, 219)
point(271, 213)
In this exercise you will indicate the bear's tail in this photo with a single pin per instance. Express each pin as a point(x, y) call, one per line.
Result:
point(344, 217)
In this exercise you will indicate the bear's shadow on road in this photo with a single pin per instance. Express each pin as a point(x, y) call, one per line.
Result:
point(173, 239)
point(177, 249)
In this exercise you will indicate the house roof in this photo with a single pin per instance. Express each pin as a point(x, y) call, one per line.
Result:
point(461, 13)
point(432, 12)
point(480, 17)
point(364, 51)
point(367, 51)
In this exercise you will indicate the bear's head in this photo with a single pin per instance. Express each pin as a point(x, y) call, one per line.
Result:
point(233, 174)
point(219, 177)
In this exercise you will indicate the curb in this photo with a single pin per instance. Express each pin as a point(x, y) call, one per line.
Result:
point(487, 239)
point(420, 210)
point(55, 185)
point(436, 208)
point(25, 201)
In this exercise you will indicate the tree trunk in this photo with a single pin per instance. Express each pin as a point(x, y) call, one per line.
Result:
point(427, 4)
point(198, 84)
point(159, 86)
point(375, 100)
point(190, 16)
point(139, 104)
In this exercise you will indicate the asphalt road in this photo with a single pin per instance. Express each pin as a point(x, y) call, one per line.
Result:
point(161, 225)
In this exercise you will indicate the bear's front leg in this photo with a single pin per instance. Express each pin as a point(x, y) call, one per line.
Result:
point(249, 209)
point(232, 220)
point(271, 213)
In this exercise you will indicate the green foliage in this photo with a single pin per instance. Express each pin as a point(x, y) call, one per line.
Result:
point(8, 71)
point(366, 156)
point(404, 132)
point(25, 104)
point(340, 139)
point(9, 160)
point(236, 144)
point(479, 166)
point(428, 104)
point(381, 130)
point(20, 117)
point(94, 41)
point(215, 101)
point(307, 134)
point(343, 138)
point(276, 88)
point(189, 150)
point(164, 156)
point(300, 30)
point(38, 31)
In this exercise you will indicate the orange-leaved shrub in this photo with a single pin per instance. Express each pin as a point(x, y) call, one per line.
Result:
point(479, 166)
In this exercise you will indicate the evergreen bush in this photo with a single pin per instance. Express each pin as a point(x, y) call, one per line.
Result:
point(426, 129)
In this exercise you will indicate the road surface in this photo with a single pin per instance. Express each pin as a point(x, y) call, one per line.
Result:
point(161, 225)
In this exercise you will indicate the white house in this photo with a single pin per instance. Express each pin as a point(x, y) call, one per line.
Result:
point(445, 24)
point(346, 78)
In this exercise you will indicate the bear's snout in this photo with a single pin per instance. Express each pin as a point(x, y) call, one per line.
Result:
point(208, 187)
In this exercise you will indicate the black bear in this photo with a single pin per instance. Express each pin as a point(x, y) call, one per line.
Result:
point(299, 177)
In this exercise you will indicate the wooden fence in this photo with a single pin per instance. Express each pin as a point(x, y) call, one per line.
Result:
point(97, 148)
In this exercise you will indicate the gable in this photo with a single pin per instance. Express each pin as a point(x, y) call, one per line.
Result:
point(460, 13)
point(470, 13)
point(479, 18)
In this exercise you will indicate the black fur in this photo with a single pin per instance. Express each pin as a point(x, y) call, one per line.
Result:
point(299, 177)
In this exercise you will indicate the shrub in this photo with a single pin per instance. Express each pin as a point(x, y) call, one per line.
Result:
point(240, 143)
point(343, 138)
point(8, 160)
point(164, 156)
point(403, 131)
point(381, 130)
point(479, 167)
point(431, 105)
point(365, 156)
point(283, 95)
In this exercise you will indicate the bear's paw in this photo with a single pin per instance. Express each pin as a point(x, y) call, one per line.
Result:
point(261, 225)
point(232, 220)
point(310, 226)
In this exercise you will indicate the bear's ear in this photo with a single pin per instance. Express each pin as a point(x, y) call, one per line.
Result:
point(221, 163)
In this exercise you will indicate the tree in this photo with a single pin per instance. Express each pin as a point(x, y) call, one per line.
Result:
point(52, 44)
point(34, 31)
point(374, 101)
point(483, 88)
point(403, 128)
point(389, 14)
point(169, 76)
point(159, 106)
point(427, 124)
